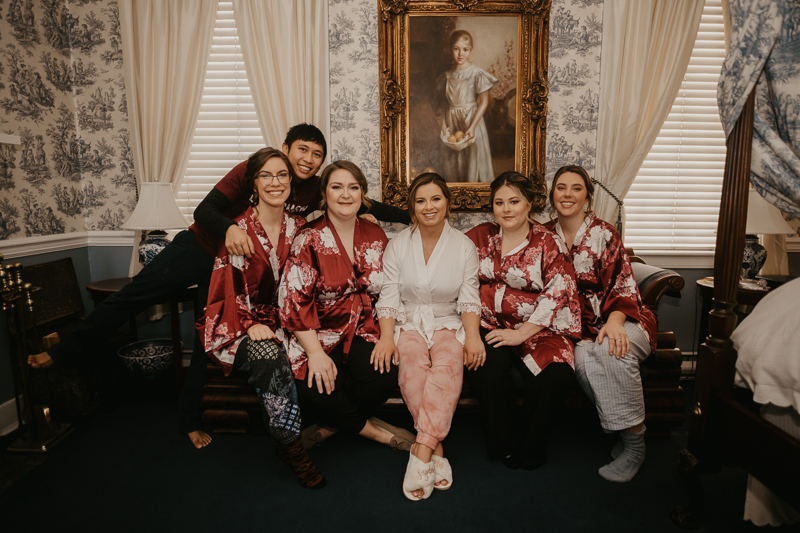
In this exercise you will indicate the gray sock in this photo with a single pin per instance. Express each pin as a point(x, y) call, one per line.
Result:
point(625, 467)
point(617, 449)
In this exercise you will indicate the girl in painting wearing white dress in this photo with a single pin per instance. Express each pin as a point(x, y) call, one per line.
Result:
point(466, 90)
point(429, 316)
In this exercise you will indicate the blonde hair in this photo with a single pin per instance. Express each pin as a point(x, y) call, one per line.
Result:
point(461, 34)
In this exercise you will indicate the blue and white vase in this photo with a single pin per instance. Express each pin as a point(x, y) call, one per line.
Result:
point(151, 245)
point(754, 258)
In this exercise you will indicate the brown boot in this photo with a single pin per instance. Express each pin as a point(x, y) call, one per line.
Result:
point(304, 468)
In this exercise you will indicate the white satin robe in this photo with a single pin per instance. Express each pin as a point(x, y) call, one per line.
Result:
point(426, 298)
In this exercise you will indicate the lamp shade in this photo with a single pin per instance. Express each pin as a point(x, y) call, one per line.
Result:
point(764, 218)
point(156, 209)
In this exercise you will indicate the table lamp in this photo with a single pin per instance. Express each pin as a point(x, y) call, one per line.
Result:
point(763, 218)
point(155, 212)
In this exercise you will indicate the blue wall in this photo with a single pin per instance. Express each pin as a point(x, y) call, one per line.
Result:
point(682, 315)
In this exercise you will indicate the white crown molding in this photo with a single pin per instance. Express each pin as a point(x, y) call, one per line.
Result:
point(27, 246)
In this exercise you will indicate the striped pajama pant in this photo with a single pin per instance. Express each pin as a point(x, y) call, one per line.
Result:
point(614, 385)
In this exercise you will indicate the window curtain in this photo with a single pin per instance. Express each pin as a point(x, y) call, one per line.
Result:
point(647, 45)
point(166, 45)
point(762, 57)
point(285, 51)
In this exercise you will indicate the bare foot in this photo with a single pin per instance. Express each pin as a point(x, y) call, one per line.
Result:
point(199, 438)
point(423, 453)
point(40, 360)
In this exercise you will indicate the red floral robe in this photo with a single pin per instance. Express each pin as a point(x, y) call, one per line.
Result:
point(322, 290)
point(243, 291)
point(605, 278)
point(532, 283)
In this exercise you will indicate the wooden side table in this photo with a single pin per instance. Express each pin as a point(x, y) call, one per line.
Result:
point(705, 288)
point(102, 289)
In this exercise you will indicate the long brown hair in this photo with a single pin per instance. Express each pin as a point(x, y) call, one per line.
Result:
point(424, 179)
point(587, 182)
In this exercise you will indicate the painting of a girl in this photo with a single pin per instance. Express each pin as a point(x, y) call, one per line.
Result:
point(465, 90)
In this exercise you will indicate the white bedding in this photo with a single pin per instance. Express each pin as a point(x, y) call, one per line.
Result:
point(768, 343)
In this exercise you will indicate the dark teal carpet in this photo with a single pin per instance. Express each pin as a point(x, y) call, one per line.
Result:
point(128, 469)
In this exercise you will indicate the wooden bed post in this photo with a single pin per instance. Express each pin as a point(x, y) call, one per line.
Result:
point(712, 372)
point(715, 364)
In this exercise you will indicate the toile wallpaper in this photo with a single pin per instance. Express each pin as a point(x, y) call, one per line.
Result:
point(62, 91)
point(574, 76)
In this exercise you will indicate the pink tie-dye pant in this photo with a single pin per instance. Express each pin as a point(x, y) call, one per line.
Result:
point(430, 381)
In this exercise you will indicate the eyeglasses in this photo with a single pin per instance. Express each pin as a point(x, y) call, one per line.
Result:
point(283, 177)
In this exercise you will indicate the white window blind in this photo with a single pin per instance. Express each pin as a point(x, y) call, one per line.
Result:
point(673, 205)
point(227, 127)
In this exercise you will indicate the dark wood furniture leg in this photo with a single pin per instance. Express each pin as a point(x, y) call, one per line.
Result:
point(713, 365)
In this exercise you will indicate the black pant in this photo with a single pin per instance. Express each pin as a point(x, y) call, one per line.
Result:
point(180, 265)
point(359, 389)
point(543, 395)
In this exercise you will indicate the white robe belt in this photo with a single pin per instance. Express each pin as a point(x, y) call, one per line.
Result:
point(423, 317)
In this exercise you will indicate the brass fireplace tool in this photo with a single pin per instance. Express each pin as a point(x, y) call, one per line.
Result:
point(38, 432)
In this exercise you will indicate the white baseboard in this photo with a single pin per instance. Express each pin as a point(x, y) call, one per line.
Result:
point(8, 417)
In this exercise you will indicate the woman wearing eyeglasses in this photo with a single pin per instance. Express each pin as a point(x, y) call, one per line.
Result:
point(241, 322)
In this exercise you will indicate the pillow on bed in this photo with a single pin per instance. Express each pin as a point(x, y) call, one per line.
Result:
point(768, 342)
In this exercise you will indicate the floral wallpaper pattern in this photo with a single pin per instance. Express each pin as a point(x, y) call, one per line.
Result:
point(62, 91)
point(576, 31)
point(353, 58)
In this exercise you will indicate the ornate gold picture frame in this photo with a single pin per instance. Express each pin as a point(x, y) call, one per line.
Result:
point(417, 99)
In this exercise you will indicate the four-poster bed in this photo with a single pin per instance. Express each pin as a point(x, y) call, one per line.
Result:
point(724, 429)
